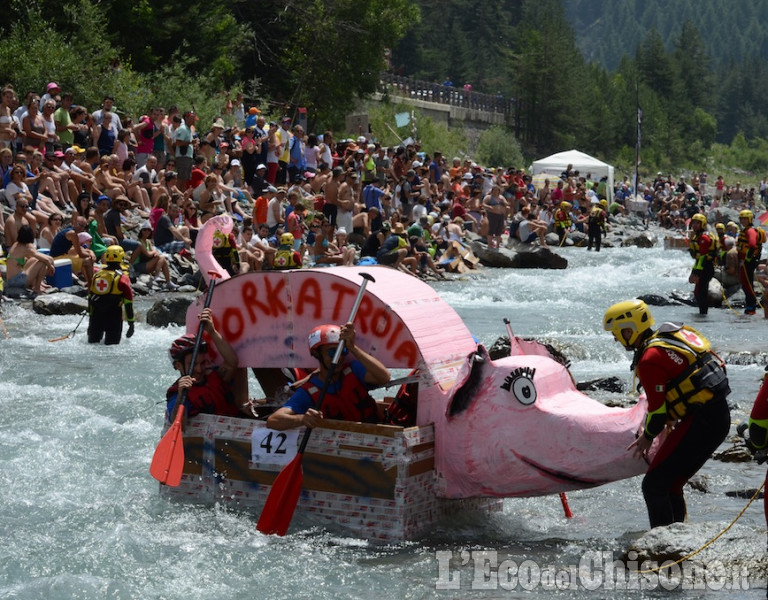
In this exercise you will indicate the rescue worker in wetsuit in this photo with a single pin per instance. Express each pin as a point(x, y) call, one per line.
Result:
point(563, 220)
point(225, 252)
point(346, 396)
point(703, 249)
point(221, 390)
point(721, 250)
point(596, 224)
point(109, 292)
point(686, 386)
point(287, 257)
point(750, 248)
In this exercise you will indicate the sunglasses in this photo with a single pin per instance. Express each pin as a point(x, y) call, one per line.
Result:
point(330, 352)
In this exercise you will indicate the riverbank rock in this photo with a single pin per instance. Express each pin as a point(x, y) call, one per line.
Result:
point(656, 300)
point(169, 311)
point(518, 256)
point(608, 384)
point(745, 549)
point(644, 239)
point(59, 303)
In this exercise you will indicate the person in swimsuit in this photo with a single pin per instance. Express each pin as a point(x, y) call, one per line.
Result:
point(26, 267)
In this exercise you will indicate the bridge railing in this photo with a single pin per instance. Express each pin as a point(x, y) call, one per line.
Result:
point(445, 94)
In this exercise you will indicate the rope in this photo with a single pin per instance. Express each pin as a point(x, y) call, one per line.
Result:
point(725, 298)
point(751, 287)
point(667, 564)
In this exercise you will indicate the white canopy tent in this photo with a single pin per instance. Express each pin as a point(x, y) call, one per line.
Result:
point(586, 165)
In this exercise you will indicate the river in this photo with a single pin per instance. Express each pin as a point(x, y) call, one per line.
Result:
point(81, 517)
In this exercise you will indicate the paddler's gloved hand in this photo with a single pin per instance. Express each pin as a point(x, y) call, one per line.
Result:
point(129, 333)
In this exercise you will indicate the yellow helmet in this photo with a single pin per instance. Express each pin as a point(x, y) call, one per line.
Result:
point(700, 218)
point(114, 254)
point(630, 314)
point(720, 226)
point(604, 203)
point(746, 214)
point(565, 205)
point(286, 239)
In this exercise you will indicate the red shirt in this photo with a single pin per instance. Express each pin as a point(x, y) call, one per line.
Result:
point(196, 178)
point(260, 206)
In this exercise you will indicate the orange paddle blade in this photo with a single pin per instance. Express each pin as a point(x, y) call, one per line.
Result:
point(168, 460)
point(282, 500)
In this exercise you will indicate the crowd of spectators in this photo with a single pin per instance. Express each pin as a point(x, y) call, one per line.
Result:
point(150, 184)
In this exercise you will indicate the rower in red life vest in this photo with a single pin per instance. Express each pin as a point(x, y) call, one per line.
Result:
point(347, 396)
point(221, 390)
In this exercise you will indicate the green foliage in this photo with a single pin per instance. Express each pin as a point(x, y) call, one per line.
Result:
point(498, 147)
point(80, 63)
point(432, 134)
point(336, 52)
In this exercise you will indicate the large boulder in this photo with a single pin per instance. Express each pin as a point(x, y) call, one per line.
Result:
point(644, 239)
point(171, 310)
point(59, 304)
point(518, 256)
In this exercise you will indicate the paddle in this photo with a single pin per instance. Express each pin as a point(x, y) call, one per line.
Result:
point(168, 460)
point(284, 496)
point(512, 343)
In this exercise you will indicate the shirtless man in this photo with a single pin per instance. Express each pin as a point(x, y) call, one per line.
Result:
point(17, 219)
point(346, 201)
point(331, 206)
point(111, 185)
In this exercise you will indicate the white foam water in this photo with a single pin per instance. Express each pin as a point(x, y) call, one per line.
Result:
point(81, 517)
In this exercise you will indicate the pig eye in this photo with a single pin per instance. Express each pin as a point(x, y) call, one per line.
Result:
point(524, 390)
point(520, 383)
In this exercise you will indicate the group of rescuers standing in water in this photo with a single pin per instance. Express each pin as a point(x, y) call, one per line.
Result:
point(685, 383)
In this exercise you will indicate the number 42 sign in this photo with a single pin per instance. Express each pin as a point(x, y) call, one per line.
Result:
point(273, 447)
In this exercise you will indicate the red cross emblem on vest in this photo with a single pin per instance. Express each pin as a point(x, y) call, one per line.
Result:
point(102, 285)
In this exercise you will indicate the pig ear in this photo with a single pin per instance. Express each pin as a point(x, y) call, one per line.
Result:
point(468, 381)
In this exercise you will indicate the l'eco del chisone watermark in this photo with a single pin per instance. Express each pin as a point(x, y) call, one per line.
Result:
point(595, 570)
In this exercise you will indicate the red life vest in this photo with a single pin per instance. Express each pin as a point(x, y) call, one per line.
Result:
point(350, 403)
point(212, 397)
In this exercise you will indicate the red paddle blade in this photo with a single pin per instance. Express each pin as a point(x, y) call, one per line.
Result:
point(282, 500)
point(168, 460)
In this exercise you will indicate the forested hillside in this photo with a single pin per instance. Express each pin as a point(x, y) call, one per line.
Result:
point(605, 30)
point(699, 77)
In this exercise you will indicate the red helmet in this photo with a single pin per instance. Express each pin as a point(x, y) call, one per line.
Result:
point(184, 345)
point(323, 335)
